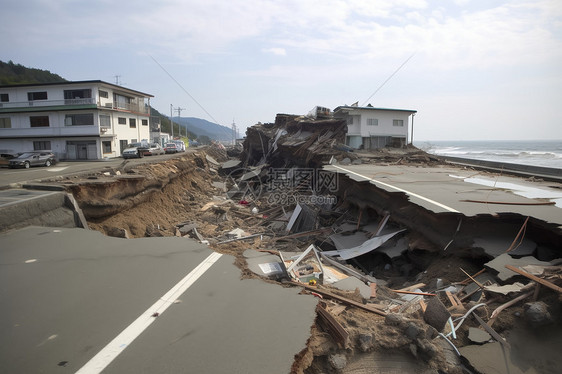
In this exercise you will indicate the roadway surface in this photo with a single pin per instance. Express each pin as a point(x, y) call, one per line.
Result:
point(458, 190)
point(74, 300)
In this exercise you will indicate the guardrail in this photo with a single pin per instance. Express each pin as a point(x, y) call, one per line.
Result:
point(546, 173)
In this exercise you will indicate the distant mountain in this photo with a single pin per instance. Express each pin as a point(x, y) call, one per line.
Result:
point(203, 127)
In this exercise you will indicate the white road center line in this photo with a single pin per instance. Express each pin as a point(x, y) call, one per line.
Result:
point(413, 194)
point(104, 357)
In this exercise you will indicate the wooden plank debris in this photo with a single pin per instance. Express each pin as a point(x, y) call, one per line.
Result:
point(468, 280)
point(413, 287)
point(373, 287)
point(414, 293)
point(341, 299)
point(521, 231)
point(544, 282)
point(334, 328)
point(452, 299)
point(473, 279)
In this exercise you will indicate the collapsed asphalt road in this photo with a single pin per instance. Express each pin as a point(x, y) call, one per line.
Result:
point(428, 256)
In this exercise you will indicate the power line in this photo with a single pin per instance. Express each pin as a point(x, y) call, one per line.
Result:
point(184, 90)
point(381, 86)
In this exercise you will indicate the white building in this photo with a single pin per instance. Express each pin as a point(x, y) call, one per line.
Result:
point(83, 120)
point(370, 127)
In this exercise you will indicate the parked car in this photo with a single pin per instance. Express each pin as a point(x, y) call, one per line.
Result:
point(29, 159)
point(5, 158)
point(170, 148)
point(134, 150)
point(180, 145)
point(154, 149)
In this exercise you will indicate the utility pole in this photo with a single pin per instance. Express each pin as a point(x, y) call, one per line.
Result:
point(234, 132)
point(172, 119)
point(178, 109)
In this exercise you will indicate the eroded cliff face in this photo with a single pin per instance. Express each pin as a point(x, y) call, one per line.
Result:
point(146, 199)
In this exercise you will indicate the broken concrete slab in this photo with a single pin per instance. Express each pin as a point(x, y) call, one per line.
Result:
point(348, 240)
point(394, 249)
point(478, 336)
point(351, 284)
point(212, 160)
point(264, 264)
point(492, 358)
point(231, 164)
point(495, 245)
point(498, 264)
point(505, 289)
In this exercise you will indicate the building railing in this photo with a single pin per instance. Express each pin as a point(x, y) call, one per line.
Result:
point(130, 107)
point(46, 103)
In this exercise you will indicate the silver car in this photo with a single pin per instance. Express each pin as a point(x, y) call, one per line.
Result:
point(29, 159)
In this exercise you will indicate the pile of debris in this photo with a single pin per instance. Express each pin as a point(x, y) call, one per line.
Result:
point(295, 140)
point(389, 294)
point(384, 286)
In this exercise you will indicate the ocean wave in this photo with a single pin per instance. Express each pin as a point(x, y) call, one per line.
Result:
point(538, 153)
point(522, 154)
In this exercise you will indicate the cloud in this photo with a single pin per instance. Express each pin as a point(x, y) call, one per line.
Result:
point(275, 51)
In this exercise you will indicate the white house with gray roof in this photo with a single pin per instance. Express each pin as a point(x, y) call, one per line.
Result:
point(371, 128)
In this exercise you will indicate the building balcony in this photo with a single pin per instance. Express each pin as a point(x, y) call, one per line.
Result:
point(66, 104)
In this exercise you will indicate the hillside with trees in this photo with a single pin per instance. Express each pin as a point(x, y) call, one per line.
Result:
point(11, 73)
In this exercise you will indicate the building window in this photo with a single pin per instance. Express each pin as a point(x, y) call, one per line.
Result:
point(106, 145)
point(397, 122)
point(372, 122)
point(144, 122)
point(31, 96)
point(77, 94)
point(350, 120)
point(105, 121)
point(132, 123)
point(123, 102)
point(104, 94)
point(122, 120)
point(44, 145)
point(5, 123)
point(4, 98)
point(39, 121)
point(79, 119)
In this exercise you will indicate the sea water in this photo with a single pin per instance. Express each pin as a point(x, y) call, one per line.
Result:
point(546, 153)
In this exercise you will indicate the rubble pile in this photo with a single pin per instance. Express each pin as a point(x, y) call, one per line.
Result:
point(397, 285)
point(295, 140)
point(391, 275)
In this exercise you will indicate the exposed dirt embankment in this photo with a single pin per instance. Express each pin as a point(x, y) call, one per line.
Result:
point(146, 199)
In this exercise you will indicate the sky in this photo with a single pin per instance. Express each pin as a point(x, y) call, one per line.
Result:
point(473, 70)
